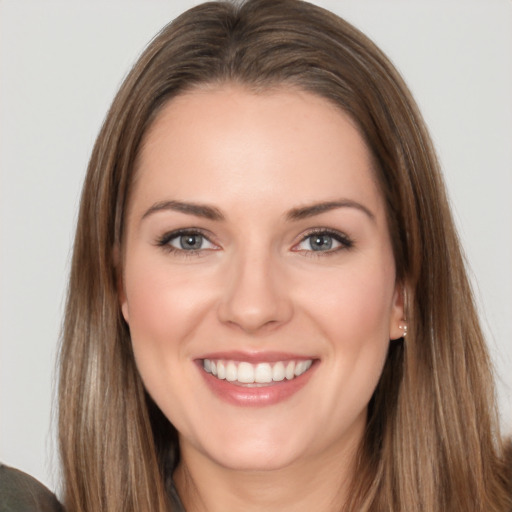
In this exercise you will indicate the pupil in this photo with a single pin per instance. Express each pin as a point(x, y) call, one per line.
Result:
point(321, 242)
point(190, 241)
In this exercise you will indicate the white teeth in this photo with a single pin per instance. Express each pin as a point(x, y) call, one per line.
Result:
point(298, 368)
point(302, 366)
point(290, 370)
point(221, 370)
point(231, 372)
point(245, 373)
point(278, 372)
point(261, 373)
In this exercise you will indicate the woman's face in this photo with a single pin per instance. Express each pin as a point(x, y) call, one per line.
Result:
point(258, 276)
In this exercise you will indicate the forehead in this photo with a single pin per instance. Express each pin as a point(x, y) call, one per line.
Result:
point(237, 142)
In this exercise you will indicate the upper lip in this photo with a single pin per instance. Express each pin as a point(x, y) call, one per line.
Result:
point(256, 357)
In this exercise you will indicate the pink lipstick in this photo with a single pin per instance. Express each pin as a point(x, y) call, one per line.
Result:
point(255, 379)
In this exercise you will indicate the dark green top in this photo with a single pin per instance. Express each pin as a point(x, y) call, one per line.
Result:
point(20, 492)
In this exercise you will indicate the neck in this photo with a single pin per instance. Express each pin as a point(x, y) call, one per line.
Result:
point(320, 484)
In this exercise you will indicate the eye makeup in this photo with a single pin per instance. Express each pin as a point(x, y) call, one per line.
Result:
point(186, 242)
point(323, 242)
point(194, 241)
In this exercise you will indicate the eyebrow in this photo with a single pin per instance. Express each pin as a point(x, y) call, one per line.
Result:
point(305, 212)
point(199, 210)
point(295, 214)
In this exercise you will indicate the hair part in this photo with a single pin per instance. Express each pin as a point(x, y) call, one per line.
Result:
point(434, 407)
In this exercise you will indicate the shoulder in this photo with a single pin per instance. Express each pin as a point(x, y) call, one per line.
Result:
point(20, 492)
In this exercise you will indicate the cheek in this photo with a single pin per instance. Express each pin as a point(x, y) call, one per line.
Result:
point(353, 307)
point(356, 323)
point(164, 310)
point(353, 312)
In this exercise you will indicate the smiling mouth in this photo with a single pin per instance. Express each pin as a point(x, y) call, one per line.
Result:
point(256, 375)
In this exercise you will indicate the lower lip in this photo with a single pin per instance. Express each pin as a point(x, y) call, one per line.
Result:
point(256, 396)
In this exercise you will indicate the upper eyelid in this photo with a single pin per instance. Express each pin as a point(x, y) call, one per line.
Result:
point(187, 231)
point(324, 231)
point(166, 237)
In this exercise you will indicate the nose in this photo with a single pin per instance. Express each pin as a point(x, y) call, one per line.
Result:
point(255, 297)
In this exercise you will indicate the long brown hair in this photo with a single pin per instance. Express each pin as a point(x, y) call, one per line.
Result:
point(432, 441)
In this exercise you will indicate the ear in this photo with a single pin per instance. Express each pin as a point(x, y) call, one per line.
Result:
point(397, 323)
point(121, 292)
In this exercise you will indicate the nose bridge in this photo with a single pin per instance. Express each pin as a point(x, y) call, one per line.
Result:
point(255, 295)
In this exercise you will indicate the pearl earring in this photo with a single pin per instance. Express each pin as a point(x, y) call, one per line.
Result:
point(404, 329)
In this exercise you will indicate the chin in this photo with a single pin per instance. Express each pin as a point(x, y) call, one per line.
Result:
point(251, 449)
point(254, 460)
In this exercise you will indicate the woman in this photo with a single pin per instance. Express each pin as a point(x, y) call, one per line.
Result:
point(277, 82)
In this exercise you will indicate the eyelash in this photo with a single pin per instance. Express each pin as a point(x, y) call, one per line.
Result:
point(164, 242)
point(344, 241)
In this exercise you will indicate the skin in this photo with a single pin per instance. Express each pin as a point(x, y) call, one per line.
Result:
point(257, 286)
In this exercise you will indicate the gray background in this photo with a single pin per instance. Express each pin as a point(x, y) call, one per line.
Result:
point(61, 63)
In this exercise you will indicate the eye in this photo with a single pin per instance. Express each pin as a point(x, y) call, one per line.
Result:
point(190, 242)
point(186, 240)
point(324, 241)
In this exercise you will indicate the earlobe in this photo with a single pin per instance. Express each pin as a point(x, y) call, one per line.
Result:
point(124, 310)
point(398, 323)
point(121, 293)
